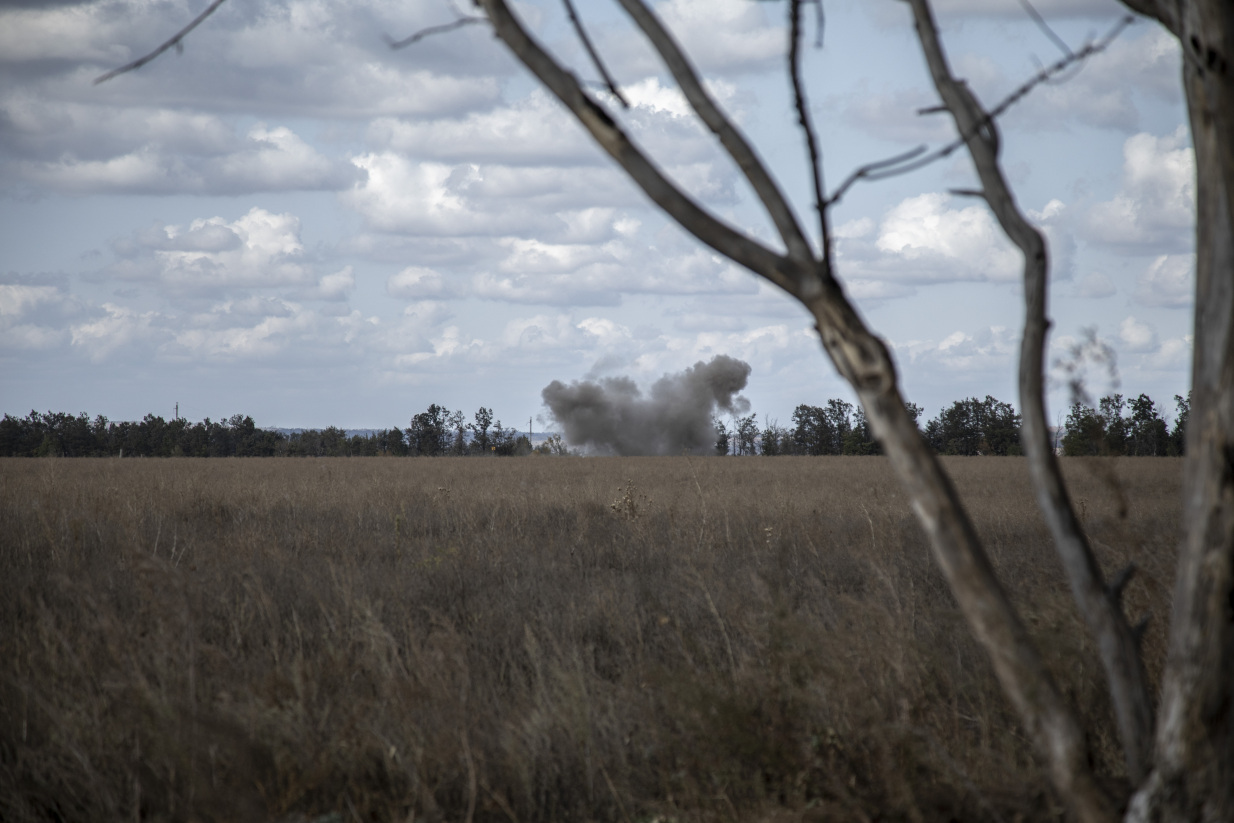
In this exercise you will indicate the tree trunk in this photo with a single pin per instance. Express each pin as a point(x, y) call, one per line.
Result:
point(1194, 775)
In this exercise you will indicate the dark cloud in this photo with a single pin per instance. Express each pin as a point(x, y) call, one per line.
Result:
point(612, 416)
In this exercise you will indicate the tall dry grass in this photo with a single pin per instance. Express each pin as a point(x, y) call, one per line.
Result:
point(533, 640)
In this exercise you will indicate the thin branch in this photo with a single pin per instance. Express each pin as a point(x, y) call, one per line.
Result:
point(807, 125)
point(1045, 27)
point(985, 123)
point(431, 30)
point(773, 200)
point(595, 56)
point(865, 172)
point(788, 274)
point(174, 42)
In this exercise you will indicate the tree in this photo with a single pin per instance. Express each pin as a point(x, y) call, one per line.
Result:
point(746, 432)
point(429, 433)
point(1178, 436)
point(774, 440)
point(1147, 432)
point(1084, 432)
point(484, 421)
point(722, 436)
point(972, 427)
point(1179, 764)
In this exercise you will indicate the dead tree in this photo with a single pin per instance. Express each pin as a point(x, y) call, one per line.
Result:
point(1181, 762)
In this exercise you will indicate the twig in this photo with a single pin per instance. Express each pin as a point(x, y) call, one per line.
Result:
point(174, 41)
point(807, 125)
point(431, 30)
point(1045, 27)
point(595, 56)
point(896, 166)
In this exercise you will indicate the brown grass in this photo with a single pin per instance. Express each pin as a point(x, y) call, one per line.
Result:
point(533, 640)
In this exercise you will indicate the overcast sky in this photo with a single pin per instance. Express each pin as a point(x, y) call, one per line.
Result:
point(290, 220)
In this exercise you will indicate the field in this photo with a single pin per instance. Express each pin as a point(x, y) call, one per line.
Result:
point(535, 639)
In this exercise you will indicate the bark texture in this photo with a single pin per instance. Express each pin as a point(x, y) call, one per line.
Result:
point(1194, 775)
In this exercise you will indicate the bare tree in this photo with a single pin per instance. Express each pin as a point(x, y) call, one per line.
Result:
point(1181, 761)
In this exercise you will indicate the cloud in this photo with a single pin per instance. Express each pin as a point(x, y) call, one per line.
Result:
point(991, 349)
point(258, 250)
point(923, 239)
point(117, 328)
point(32, 317)
point(1168, 281)
point(1155, 208)
point(1136, 335)
point(419, 283)
point(270, 159)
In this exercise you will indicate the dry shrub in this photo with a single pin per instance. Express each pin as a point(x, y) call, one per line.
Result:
point(481, 639)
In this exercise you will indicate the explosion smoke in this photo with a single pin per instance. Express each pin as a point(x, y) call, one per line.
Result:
point(611, 416)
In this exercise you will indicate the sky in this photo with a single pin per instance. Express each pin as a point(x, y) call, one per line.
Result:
point(292, 221)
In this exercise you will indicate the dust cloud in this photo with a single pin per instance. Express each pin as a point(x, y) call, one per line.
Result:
point(612, 415)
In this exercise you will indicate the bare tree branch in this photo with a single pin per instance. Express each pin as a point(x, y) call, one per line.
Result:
point(787, 274)
point(432, 30)
point(173, 42)
point(807, 124)
point(1125, 673)
point(1045, 27)
point(863, 360)
point(595, 57)
point(773, 200)
point(883, 169)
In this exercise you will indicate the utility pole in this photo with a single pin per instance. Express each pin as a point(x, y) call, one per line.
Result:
point(177, 410)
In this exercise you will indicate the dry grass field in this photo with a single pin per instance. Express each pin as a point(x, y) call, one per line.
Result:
point(538, 639)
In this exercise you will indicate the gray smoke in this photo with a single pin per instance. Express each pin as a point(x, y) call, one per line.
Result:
point(611, 415)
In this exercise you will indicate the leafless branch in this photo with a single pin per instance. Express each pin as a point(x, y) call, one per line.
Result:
point(595, 56)
point(743, 250)
point(431, 30)
point(1045, 27)
point(1125, 675)
point(883, 169)
point(773, 200)
point(807, 124)
point(173, 42)
point(865, 172)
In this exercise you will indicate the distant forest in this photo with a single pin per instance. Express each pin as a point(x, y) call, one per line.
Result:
point(1114, 427)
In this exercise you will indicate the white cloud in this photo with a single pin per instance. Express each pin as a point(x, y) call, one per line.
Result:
point(270, 159)
point(419, 283)
point(992, 349)
point(932, 242)
point(1168, 281)
point(1136, 335)
point(16, 299)
point(257, 250)
point(1174, 355)
point(1155, 209)
point(117, 328)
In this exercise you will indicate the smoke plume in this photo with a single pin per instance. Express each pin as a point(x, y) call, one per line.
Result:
point(611, 415)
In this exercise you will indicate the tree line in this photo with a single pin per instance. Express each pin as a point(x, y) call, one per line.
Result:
point(1114, 427)
point(971, 427)
point(435, 432)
